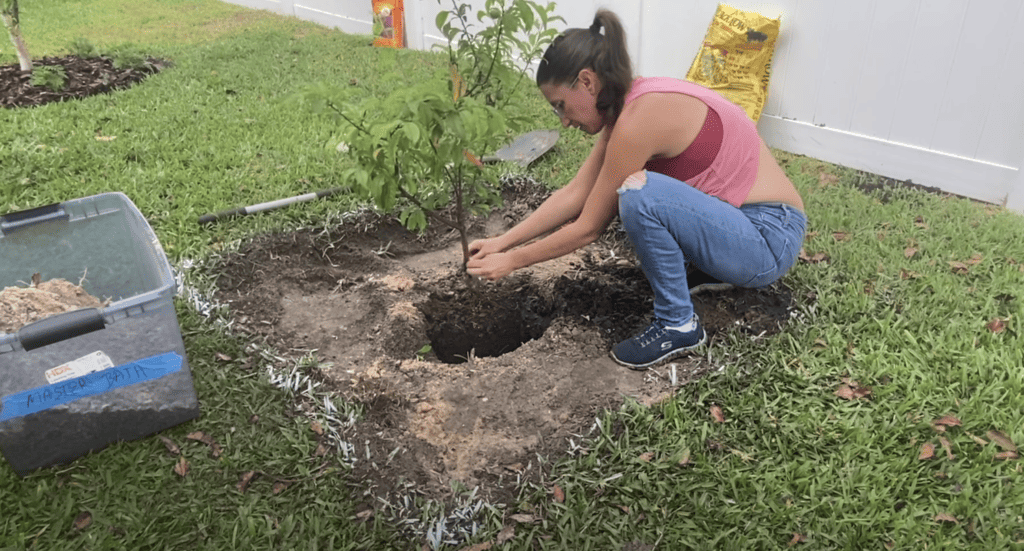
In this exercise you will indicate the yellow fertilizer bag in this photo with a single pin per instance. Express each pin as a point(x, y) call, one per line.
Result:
point(735, 59)
point(388, 23)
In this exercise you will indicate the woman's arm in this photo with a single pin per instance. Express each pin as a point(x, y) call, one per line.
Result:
point(560, 207)
point(643, 130)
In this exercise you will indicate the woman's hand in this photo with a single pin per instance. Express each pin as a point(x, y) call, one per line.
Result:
point(480, 248)
point(493, 266)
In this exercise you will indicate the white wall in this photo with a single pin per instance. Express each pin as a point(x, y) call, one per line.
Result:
point(925, 90)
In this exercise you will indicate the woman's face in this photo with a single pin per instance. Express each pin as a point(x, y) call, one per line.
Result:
point(576, 104)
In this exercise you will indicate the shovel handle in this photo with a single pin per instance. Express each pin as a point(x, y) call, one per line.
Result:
point(241, 211)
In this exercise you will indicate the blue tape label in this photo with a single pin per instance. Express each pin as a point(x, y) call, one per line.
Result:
point(46, 397)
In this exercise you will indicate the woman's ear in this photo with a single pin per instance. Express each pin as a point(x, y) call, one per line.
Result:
point(592, 84)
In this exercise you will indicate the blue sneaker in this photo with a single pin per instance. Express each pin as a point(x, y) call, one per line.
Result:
point(657, 344)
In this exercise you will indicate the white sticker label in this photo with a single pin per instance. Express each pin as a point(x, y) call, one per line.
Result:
point(97, 361)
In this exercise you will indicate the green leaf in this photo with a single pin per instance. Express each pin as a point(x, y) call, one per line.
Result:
point(441, 19)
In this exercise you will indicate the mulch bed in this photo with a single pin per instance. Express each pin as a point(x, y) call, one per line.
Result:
point(85, 77)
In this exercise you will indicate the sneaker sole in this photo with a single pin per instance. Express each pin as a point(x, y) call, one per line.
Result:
point(673, 354)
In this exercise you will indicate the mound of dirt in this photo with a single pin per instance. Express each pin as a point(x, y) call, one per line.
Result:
point(20, 306)
point(516, 368)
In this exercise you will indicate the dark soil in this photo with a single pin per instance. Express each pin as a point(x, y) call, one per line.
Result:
point(85, 77)
point(517, 367)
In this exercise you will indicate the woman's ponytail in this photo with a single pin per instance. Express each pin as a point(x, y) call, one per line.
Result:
point(605, 53)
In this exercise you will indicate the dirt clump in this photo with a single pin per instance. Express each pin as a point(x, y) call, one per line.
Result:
point(515, 368)
point(20, 306)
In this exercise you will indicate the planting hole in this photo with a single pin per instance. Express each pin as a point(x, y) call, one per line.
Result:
point(490, 321)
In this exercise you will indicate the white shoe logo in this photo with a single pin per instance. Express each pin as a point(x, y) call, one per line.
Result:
point(666, 345)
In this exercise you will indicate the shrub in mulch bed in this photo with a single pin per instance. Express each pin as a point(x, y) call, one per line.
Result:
point(85, 77)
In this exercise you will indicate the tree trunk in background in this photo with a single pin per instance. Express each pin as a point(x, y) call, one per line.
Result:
point(10, 16)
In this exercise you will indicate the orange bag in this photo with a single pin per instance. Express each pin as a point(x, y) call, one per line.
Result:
point(388, 27)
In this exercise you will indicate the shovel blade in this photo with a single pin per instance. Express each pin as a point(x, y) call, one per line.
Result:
point(526, 148)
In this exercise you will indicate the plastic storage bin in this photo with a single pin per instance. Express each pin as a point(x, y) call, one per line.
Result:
point(79, 381)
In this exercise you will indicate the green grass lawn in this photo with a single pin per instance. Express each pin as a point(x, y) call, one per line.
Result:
point(911, 301)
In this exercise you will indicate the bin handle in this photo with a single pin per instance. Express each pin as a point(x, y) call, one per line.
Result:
point(61, 327)
point(28, 217)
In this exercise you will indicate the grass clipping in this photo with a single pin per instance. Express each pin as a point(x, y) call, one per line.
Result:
point(20, 306)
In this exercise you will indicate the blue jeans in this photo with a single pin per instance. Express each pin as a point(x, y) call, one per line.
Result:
point(671, 224)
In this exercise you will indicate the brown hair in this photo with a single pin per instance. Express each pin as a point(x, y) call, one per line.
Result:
point(605, 54)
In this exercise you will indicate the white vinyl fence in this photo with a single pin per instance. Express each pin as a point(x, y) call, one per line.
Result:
point(930, 91)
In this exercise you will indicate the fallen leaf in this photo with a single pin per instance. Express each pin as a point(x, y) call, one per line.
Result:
point(506, 534)
point(797, 538)
point(746, 457)
point(181, 467)
point(976, 258)
point(279, 487)
point(907, 274)
point(948, 447)
point(1001, 439)
point(909, 252)
point(812, 259)
point(958, 267)
point(200, 436)
point(524, 518)
point(320, 451)
point(172, 448)
point(646, 457)
point(717, 415)
point(559, 494)
point(981, 441)
point(479, 547)
point(927, 451)
point(222, 357)
point(827, 179)
point(83, 520)
point(1007, 455)
point(243, 483)
point(945, 517)
point(363, 516)
point(317, 428)
point(996, 325)
point(685, 460)
point(840, 236)
point(947, 420)
point(862, 392)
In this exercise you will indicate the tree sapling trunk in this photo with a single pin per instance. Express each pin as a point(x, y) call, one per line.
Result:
point(9, 13)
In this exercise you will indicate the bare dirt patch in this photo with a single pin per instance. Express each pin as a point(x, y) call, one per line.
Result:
point(368, 295)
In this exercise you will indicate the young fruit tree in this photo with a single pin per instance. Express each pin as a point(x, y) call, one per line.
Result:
point(9, 12)
point(417, 150)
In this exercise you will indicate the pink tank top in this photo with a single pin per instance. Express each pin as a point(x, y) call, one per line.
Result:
point(732, 172)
